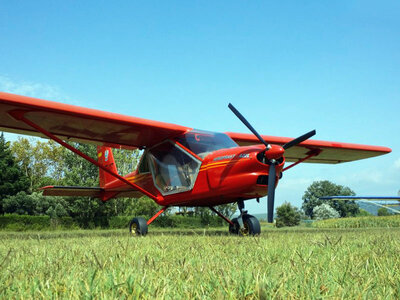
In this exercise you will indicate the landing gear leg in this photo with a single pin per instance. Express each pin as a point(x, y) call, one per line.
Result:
point(245, 224)
point(233, 224)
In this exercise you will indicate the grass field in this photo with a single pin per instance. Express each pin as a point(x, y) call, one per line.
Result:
point(304, 263)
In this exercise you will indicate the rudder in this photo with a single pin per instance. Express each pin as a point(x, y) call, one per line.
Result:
point(106, 158)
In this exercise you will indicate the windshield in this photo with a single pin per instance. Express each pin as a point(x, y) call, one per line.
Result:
point(204, 142)
point(173, 169)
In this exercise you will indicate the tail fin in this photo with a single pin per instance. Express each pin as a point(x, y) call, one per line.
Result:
point(106, 158)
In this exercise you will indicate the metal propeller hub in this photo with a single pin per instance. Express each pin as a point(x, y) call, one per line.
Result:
point(271, 156)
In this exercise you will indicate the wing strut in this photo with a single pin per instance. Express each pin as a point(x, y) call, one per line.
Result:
point(19, 115)
point(312, 153)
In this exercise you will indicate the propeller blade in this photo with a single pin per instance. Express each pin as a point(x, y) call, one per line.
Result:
point(245, 122)
point(271, 191)
point(299, 139)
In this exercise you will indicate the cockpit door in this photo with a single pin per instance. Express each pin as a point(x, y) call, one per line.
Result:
point(174, 170)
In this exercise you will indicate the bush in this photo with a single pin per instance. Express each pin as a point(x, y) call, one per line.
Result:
point(325, 211)
point(14, 222)
point(119, 222)
point(382, 211)
point(25, 222)
point(35, 204)
point(172, 221)
point(287, 215)
point(363, 213)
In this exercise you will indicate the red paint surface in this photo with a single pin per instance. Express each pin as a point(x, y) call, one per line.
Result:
point(220, 180)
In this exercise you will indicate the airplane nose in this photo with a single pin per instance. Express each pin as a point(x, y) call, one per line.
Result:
point(275, 152)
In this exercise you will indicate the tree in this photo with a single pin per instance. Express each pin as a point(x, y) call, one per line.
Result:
point(326, 188)
point(35, 204)
point(79, 172)
point(41, 162)
point(12, 179)
point(325, 211)
point(287, 215)
point(227, 209)
point(126, 160)
point(382, 211)
point(143, 206)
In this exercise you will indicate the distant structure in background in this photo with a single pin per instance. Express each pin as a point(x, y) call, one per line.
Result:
point(371, 204)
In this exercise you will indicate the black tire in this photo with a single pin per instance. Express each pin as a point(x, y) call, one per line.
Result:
point(234, 229)
point(251, 226)
point(138, 226)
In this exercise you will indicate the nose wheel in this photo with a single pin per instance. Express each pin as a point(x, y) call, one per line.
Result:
point(245, 224)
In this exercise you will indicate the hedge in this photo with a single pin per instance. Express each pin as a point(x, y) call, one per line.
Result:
point(26, 222)
point(13, 222)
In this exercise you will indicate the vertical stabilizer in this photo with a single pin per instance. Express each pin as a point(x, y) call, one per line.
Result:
point(106, 158)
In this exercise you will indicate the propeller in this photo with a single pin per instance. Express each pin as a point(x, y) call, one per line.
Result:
point(272, 162)
point(245, 122)
point(298, 140)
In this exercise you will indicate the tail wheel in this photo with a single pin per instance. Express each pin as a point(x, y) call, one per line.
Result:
point(251, 226)
point(138, 226)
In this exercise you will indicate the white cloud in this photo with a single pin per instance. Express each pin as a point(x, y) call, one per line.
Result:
point(31, 89)
point(397, 163)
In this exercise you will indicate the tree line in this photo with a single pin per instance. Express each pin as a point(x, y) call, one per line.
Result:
point(27, 165)
point(317, 209)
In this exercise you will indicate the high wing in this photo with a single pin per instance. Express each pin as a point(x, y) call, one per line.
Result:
point(95, 192)
point(329, 152)
point(79, 124)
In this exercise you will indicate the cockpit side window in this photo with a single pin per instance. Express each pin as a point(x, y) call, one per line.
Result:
point(173, 169)
point(144, 165)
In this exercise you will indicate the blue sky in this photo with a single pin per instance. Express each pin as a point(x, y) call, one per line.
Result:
point(288, 66)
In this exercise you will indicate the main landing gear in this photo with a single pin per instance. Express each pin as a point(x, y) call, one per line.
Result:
point(244, 224)
point(138, 226)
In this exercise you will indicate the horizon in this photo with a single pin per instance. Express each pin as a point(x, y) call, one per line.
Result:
point(288, 68)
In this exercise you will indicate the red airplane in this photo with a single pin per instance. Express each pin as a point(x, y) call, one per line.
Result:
point(180, 166)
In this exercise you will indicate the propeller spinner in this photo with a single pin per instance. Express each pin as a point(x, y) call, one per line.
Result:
point(271, 162)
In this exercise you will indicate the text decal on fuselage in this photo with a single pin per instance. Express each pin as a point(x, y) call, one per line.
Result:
point(243, 155)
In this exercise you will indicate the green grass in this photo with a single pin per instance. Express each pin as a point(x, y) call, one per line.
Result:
point(360, 222)
point(304, 263)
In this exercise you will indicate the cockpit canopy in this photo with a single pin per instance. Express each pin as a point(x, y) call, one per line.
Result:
point(175, 169)
point(203, 143)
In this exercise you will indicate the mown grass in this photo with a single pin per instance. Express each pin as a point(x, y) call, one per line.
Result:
point(303, 263)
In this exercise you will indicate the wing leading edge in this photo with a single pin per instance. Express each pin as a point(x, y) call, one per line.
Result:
point(79, 124)
point(75, 123)
point(329, 152)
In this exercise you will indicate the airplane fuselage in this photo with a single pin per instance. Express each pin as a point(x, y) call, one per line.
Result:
point(219, 177)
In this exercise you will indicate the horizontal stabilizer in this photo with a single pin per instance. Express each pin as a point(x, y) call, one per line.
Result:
point(71, 191)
